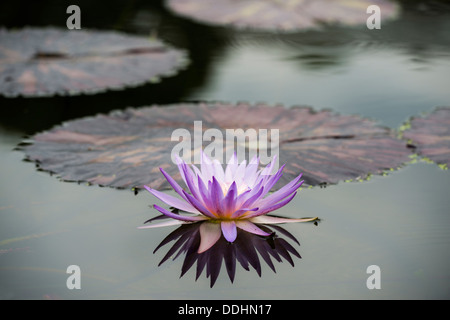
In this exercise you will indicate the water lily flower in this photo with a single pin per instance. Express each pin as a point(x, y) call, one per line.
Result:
point(234, 197)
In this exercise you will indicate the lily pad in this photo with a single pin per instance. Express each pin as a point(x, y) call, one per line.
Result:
point(49, 61)
point(125, 149)
point(279, 15)
point(430, 135)
point(246, 250)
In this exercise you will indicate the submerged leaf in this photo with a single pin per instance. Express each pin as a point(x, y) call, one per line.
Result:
point(125, 149)
point(280, 15)
point(430, 135)
point(48, 61)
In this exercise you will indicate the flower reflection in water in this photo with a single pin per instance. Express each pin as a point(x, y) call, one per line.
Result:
point(247, 250)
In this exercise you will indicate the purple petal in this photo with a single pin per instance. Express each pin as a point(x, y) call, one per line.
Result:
point(240, 171)
point(230, 200)
point(217, 197)
point(267, 171)
point(209, 234)
point(242, 197)
point(197, 172)
point(272, 180)
point(189, 178)
point(199, 206)
point(273, 207)
point(204, 194)
point(163, 224)
point(172, 201)
point(178, 216)
point(250, 227)
point(254, 160)
point(229, 230)
point(206, 167)
point(241, 212)
point(275, 220)
point(250, 175)
point(250, 201)
point(181, 163)
point(230, 170)
point(281, 193)
point(269, 181)
point(218, 170)
point(173, 183)
point(248, 194)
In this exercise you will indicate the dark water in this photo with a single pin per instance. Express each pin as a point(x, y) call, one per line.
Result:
point(398, 222)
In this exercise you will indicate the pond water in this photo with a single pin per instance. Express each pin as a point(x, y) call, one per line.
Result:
point(399, 222)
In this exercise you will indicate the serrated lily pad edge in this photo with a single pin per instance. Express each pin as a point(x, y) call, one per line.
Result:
point(182, 64)
point(363, 178)
point(417, 156)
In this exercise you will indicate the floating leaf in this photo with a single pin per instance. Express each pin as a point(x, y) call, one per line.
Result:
point(49, 61)
point(126, 148)
point(431, 135)
point(246, 250)
point(280, 15)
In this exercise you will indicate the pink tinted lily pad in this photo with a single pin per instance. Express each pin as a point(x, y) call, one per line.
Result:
point(280, 15)
point(430, 135)
point(48, 61)
point(126, 148)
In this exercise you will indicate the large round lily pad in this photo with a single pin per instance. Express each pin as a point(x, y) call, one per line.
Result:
point(430, 135)
point(48, 61)
point(126, 148)
point(281, 15)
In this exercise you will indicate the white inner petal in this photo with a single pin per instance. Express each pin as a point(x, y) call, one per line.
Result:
point(241, 187)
